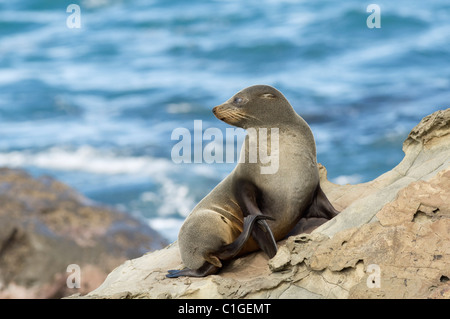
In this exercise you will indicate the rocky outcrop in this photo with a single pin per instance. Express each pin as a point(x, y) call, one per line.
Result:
point(45, 226)
point(391, 240)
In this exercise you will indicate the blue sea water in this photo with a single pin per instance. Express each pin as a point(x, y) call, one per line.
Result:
point(95, 106)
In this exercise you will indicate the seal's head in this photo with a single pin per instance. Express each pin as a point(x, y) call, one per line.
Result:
point(255, 106)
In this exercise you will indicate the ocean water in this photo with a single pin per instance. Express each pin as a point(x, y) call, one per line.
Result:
point(95, 106)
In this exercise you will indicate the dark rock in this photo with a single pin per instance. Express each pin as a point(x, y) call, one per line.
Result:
point(46, 226)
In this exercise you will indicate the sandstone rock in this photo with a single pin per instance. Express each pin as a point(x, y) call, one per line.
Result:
point(391, 240)
point(46, 226)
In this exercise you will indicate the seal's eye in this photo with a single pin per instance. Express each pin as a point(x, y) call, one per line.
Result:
point(268, 96)
point(237, 100)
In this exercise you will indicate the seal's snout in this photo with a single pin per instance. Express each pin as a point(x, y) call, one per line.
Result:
point(218, 112)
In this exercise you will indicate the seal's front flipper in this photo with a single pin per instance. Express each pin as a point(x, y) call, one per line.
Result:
point(264, 237)
point(231, 250)
point(205, 270)
point(321, 206)
point(262, 234)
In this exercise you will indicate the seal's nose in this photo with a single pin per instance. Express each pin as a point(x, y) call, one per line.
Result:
point(214, 110)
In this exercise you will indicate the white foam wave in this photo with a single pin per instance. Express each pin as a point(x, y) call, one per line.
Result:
point(167, 226)
point(170, 197)
point(347, 179)
point(86, 159)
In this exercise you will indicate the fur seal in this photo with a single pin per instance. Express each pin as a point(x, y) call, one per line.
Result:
point(249, 210)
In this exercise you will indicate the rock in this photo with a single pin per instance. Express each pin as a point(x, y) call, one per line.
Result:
point(426, 153)
point(391, 240)
point(280, 260)
point(45, 226)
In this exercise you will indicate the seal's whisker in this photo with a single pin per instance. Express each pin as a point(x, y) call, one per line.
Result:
point(246, 116)
point(232, 115)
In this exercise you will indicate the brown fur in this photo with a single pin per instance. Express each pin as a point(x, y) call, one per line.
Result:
point(286, 196)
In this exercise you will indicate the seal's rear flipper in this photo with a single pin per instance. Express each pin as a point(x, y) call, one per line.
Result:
point(306, 226)
point(264, 237)
point(205, 270)
point(231, 250)
point(226, 252)
point(321, 206)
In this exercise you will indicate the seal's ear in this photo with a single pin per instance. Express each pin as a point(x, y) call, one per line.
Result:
point(268, 96)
